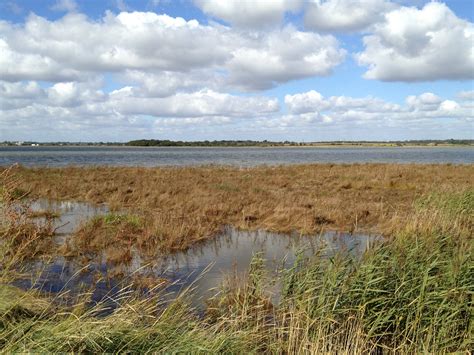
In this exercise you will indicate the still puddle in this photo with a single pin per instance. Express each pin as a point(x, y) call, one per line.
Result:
point(70, 214)
point(203, 267)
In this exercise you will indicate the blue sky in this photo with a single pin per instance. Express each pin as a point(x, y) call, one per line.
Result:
point(116, 70)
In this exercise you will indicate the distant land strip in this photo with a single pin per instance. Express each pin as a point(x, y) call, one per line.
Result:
point(247, 143)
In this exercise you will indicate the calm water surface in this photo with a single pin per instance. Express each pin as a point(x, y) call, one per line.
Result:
point(203, 267)
point(153, 156)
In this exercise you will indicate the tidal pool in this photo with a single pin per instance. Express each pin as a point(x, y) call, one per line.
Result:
point(70, 214)
point(202, 268)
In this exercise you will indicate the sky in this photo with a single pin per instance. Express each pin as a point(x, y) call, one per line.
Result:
point(320, 70)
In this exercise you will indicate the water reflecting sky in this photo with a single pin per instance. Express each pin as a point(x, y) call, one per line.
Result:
point(153, 156)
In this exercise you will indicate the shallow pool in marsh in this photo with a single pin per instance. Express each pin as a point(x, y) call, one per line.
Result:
point(70, 213)
point(202, 268)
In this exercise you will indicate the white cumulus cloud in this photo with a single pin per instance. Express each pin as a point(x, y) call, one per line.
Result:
point(344, 108)
point(196, 104)
point(249, 13)
point(345, 15)
point(413, 44)
point(306, 102)
point(75, 48)
point(69, 109)
point(281, 56)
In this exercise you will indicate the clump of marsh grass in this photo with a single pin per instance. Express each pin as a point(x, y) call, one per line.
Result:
point(46, 214)
point(138, 325)
point(448, 209)
point(20, 237)
point(114, 234)
point(243, 300)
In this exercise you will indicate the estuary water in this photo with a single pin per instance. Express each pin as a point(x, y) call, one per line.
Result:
point(182, 156)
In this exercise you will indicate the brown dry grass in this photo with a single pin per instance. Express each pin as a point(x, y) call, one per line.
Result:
point(25, 238)
point(181, 206)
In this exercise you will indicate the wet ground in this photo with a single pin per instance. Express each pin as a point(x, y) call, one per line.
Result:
point(202, 268)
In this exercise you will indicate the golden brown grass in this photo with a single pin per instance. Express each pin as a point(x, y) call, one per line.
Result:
point(26, 239)
point(181, 206)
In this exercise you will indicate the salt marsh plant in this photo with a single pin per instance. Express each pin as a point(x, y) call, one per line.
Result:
point(411, 293)
point(22, 238)
point(181, 206)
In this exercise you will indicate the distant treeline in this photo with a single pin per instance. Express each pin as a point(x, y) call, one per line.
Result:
point(247, 143)
point(244, 143)
point(221, 143)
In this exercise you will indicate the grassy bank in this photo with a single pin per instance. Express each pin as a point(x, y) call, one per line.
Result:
point(413, 293)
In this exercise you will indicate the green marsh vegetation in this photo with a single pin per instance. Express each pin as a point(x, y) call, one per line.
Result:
point(413, 292)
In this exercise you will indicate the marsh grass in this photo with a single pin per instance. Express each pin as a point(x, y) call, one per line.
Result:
point(180, 207)
point(46, 214)
point(112, 235)
point(22, 238)
point(411, 293)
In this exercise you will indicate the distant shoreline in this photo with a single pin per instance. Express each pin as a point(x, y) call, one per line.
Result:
point(249, 144)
